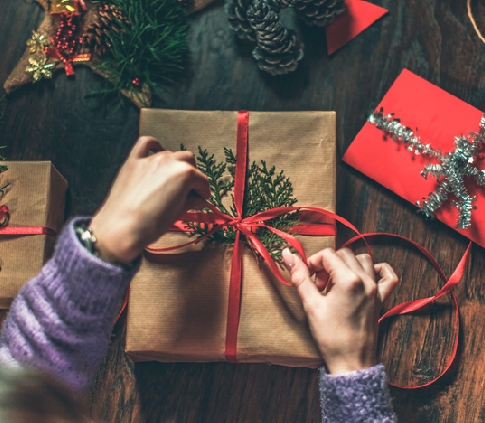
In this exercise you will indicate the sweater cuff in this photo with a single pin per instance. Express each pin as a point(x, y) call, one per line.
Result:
point(361, 396)
point(93, 283)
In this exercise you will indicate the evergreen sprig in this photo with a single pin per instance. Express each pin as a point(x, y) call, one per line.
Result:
point(151, 47)
point(264, 189)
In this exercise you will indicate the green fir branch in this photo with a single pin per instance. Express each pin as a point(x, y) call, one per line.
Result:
point(265, 189)
point(151, 47)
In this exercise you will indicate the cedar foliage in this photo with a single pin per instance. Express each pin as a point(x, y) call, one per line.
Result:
point(265, 189)
point(150, 44)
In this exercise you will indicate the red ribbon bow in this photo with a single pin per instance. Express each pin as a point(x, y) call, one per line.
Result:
point(248, 225)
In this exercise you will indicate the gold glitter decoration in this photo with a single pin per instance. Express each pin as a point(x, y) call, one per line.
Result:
point(37, 42)
point(40, 68)
point(59, 6)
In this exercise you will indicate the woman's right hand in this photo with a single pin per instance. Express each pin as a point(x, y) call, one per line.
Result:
point(148, 195)
point(344, 322)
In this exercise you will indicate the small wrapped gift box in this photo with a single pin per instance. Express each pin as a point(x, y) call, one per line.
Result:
point(35, 198)
point(438, 119)
point(178, 308)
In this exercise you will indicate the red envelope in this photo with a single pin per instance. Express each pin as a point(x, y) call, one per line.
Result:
point(438, 117)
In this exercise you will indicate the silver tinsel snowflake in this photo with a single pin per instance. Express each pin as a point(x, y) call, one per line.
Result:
point(451, 171)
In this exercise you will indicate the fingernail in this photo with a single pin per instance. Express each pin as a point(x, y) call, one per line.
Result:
point(289, 259)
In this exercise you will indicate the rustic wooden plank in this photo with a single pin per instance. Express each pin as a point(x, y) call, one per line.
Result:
point(432, 38)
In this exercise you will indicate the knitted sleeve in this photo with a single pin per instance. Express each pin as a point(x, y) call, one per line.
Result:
point(361, 396)
point(61, 320)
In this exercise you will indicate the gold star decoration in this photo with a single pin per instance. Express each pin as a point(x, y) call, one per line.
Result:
point(37, 42)
point(140, 95)
point(40, 68)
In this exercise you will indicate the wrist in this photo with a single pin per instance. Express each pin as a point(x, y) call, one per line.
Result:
point(345, 364)
point(114, 245)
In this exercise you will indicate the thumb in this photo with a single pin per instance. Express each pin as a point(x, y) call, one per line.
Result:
point(300, 278)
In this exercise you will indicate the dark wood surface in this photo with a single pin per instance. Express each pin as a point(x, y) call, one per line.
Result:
point(432, 38)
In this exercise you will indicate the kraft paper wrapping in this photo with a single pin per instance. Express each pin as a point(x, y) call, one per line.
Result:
point(178, 301)
point(35, 197)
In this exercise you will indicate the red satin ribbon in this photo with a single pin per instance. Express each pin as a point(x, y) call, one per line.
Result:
point(248, 225)
point(21, 230)
point(27, 230)
point(410, 306)
point(68, 61)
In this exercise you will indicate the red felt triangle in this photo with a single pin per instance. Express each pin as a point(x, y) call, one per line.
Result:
point(359, 16)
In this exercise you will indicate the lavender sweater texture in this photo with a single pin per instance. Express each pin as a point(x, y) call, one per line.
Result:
point(61, 322)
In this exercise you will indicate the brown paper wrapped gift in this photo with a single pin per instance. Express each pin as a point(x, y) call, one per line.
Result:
point(35, 196)
point(178, 301)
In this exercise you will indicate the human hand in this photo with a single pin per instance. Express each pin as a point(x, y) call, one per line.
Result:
point(148, 195)
point(344, 322)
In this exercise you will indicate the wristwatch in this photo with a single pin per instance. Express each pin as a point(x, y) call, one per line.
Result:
point(87, 238)
point(85, 235)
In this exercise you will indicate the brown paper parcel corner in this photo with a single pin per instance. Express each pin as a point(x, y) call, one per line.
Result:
point(178, 302)
point(35, 196)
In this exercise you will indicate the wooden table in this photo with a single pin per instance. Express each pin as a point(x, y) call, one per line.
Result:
point(432, 38)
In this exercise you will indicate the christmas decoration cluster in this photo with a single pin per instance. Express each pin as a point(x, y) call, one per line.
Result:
point(134, 56)
point(278, 50)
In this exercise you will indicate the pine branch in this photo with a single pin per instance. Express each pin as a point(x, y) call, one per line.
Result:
point(265, 189)
point(151, 46)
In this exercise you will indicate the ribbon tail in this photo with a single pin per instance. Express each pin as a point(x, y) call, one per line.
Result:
point(234, 303)
point(411, 306)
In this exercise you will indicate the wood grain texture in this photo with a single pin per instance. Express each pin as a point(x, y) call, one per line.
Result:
point(432, 38)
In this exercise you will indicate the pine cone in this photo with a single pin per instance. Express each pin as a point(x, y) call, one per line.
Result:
point(318, 12)
point(108, 17)
point(278, 49)
point(236, 11)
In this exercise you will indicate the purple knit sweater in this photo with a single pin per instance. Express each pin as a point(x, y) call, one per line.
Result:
point(61, 322)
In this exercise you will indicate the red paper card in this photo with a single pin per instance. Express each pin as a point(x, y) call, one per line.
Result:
point(358, 16)
point(439, 117)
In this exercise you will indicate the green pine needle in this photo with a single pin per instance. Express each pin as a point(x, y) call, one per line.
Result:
point(152, 47)
point(265, 189)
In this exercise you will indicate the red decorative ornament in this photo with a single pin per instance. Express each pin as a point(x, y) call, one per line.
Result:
point(136, 82)
point(65, 42)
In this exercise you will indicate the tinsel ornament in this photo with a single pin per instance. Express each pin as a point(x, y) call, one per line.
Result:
point(40, 68)
point(278, 49)
point(453, 168)
point(37, 42)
